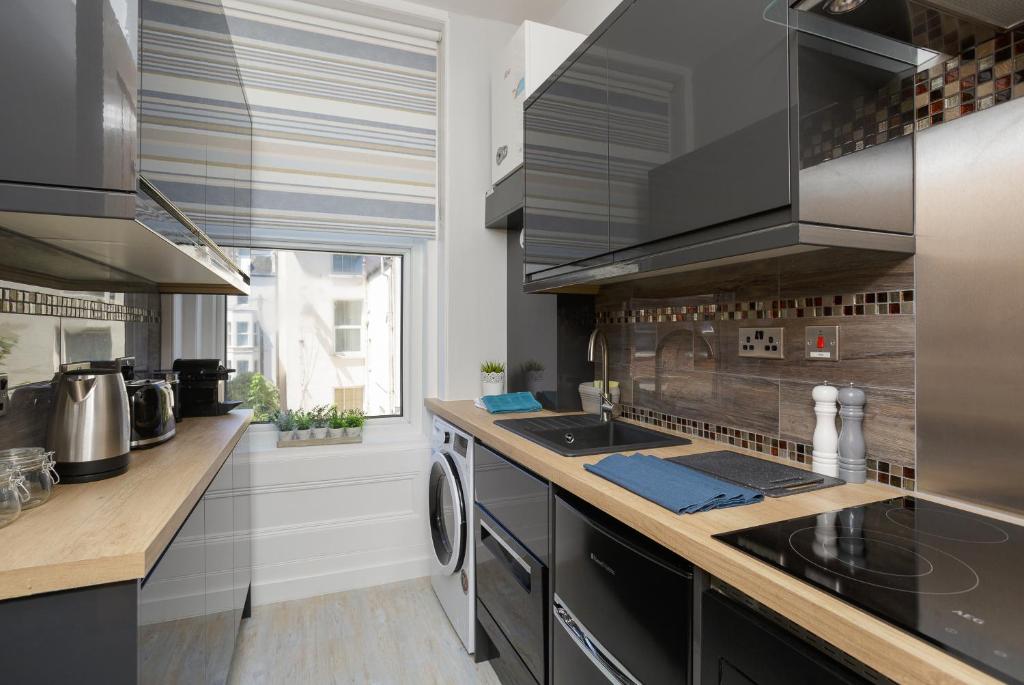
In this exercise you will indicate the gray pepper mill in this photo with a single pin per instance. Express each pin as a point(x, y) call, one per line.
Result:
point(852, 462)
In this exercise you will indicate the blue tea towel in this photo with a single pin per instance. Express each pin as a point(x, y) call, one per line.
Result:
point(673, 486)
point(510, 403)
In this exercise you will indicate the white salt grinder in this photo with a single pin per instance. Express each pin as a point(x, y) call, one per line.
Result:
point(852, 451)
point(826, 438)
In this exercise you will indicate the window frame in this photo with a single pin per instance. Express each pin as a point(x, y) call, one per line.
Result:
point(407, 253)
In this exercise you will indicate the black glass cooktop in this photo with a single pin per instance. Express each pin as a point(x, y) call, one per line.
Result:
point(949, 576)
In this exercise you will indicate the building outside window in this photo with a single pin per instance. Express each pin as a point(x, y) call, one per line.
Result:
point(312, 338)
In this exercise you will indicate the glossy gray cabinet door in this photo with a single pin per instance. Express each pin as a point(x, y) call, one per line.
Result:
point(565, 150)
point(243, 525)
point(196, 129)
point(219, 546)
point(172, 639)
point(698, 101)
point(69, 72)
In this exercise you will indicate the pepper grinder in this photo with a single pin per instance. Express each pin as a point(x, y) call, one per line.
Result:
point(826, 438)
point(852, 464)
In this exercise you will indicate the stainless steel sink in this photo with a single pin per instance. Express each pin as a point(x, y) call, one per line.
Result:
point(582, 434)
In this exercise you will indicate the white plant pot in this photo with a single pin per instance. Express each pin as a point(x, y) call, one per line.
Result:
point(335, 432)
point(354, 432)
point(285, 436)
point(535, 381)
point(302, 434)
point(492, 384)
point(319, 433)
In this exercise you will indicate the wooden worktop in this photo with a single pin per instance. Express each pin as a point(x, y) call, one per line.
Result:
point(885, 648)
point(115, 529)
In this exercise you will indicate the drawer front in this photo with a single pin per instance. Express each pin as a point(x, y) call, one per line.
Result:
point(512, 584)
point(635, 604)
point(506, 663)
point(513, 496)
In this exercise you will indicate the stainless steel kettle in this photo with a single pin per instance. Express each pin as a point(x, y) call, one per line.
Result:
point(89, 429)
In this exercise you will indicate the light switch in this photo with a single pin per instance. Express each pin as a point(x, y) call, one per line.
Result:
point(821, 343)
point(761, 343)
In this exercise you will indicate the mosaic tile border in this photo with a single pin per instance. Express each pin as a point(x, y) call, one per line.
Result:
point(15, 301)
point(903, 477)
point(887, 303)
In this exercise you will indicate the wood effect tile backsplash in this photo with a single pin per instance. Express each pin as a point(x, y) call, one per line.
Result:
point(673, 348)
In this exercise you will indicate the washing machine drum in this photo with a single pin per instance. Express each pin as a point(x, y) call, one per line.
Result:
point(447, 513)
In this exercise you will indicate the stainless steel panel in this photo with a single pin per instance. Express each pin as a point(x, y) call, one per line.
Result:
point(870, 189)
point(70, 77)
point(970, 312)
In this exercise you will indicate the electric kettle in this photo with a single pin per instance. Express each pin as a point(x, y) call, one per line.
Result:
point(89, 430)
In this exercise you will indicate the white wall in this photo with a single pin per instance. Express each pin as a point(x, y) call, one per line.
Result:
point(330, 519)
point(582, 16)
point(472, 257)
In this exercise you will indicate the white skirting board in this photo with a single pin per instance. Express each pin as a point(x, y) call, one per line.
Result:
point(338, 517)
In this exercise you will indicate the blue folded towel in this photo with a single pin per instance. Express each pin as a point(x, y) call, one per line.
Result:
point(510, 403)
point(673, 486)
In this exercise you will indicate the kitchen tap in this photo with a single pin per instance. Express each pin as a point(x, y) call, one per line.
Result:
point(607, 407)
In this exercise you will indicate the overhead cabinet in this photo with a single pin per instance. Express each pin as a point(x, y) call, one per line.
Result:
point(686, 132)
point(127, 147)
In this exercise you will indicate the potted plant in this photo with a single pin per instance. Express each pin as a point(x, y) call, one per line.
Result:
point(533, 375)
point(319, 416)
point(303, 422)
point(335, 424)
point(285, 425)
point(354, 421)
point(492, 378)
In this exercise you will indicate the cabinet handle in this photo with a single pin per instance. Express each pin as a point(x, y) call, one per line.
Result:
point(615, 672)
point(507, 548)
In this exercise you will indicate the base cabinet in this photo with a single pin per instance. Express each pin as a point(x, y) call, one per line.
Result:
point(191, 603)
point(741, 647)
point(178, 625)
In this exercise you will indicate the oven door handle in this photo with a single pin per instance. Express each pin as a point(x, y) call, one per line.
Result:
point(609, 667)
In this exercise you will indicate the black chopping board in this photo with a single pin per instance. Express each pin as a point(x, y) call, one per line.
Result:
point(769, 477)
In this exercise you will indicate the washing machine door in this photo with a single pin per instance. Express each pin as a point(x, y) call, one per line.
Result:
point(447, 512)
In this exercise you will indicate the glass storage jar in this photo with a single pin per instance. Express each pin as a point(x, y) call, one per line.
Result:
point(37, 467)
point(12, 493)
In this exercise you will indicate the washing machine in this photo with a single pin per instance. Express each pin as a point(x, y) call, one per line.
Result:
point(450, 513)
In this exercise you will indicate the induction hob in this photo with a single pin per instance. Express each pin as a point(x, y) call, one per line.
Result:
point(949, 576)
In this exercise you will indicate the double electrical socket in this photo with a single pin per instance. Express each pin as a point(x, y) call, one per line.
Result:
point(761, 343)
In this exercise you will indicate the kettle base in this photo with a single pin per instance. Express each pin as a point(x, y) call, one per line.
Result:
point(89, 471)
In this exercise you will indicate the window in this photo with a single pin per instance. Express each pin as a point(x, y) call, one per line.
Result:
point(262, 263)
point(347, 264)
point(306, 337)
point(242, 334)
point(242, 300)
point(348, 326)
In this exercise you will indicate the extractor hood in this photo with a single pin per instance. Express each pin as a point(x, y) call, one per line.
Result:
point(911, 22)
point(131, 242)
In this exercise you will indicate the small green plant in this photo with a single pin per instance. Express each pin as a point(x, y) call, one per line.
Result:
point(285, 421)
point(492, 367)
point(335, 419)
point(532, 365)
point(320, 416)
point(354, 419)
point(303, 421)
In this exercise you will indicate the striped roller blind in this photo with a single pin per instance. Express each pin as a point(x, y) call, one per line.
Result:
point(344, 110)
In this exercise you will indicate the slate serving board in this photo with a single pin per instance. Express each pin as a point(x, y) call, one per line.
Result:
point(770, 478)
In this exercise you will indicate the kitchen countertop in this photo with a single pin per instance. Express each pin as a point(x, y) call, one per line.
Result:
point(115, 529)
point(885, 648)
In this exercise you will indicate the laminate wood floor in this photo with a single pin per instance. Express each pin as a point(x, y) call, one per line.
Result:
point(387, 635)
